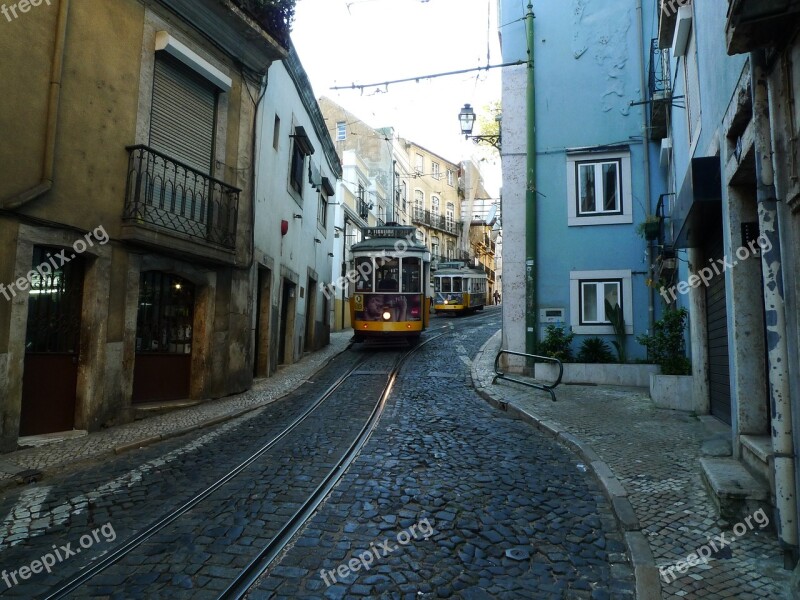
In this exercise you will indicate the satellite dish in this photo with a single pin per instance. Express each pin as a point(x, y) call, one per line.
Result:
point(490, 218)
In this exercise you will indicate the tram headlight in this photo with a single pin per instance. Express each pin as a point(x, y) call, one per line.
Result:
point(387, 315)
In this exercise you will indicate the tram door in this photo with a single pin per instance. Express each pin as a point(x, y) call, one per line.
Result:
point(52, 346)
point(162, 368)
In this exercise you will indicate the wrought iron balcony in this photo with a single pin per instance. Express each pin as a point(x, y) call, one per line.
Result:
point(164, 193)
point(425, 217)
point(660, 88)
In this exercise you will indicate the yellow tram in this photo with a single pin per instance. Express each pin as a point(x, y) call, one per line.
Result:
point(390, 290)
point(459, 289)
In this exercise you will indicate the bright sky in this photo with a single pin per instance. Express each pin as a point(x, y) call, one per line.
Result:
point(341, 42)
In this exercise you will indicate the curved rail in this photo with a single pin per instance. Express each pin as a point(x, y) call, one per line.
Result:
point(259, 565)
point(128, 546)
point(498, 374)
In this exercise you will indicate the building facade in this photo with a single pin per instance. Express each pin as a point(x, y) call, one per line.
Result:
point(728, 132)
point(296, 180)
point(592, 184)
point(126, 208)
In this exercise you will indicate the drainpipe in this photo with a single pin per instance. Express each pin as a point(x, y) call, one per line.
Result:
point(56, 69)
point(775, 307)
point(531, 308)
point(646, 160)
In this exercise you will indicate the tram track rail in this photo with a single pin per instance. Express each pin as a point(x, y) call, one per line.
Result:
point(115, 555)
point(261, 563)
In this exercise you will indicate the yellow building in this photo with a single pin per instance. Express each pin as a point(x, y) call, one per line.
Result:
point(125, 207)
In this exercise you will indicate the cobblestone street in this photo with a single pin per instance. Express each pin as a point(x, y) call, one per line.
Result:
point(452, 497)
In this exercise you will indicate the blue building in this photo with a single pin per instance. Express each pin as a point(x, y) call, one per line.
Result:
point(596, 177)
point(730, 149)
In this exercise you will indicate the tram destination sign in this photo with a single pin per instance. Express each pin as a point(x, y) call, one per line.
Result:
point(390, 232)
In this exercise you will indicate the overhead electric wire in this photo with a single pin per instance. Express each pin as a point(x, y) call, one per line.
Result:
point(355, 86)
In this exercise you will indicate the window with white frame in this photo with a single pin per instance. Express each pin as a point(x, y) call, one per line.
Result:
point(341, 131)
point(599, 188)
point(593, 297)
point(419, 166)
point(450, 177)
point(435, 170)
point(419, 204)
point(589, 291)
point(450, 216)
point(435, 206)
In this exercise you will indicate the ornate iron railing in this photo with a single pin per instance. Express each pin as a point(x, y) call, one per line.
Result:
point(169, 194)
point(425, 217)
point(660, 78)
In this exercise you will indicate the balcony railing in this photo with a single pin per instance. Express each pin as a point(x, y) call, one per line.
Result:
point(660, 87)
point(170, 195)
point(425, 217)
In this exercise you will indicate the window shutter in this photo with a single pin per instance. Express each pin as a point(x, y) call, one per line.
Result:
point(183, 115)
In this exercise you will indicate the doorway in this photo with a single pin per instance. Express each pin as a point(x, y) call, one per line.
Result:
point(52, 345)
point(263, 303)
point(286, 348)
point(164, 323)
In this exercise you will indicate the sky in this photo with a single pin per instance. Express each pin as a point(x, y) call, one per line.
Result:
point(342, 42)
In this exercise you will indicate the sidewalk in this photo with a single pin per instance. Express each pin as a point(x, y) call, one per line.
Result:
point(147, 431)
point(646, 459)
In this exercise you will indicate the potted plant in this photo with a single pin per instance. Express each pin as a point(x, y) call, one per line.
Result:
point(667, 348)
point(649, 228)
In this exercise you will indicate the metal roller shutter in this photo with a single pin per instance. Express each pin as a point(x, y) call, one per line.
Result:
point(183, 115)
point(717, 327)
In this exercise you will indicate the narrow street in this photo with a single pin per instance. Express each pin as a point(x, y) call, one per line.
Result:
point(448, 497)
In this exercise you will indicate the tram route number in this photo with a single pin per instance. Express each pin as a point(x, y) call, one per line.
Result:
point(358, 300)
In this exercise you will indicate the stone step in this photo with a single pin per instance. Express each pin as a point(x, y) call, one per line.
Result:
point(756, 454)
point(736, 493)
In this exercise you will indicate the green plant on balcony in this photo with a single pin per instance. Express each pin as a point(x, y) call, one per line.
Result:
point(666, 346)
point(649, 228)
point(275, 16)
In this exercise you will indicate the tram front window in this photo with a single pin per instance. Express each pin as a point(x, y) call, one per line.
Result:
point(364, 274)
point(412, 276)
point(387, 276)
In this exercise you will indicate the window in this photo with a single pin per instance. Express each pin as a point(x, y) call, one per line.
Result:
point(589, 291)
point(434, 206)
point(341, 131)
point(412, 275)
point(420, 164)
point(419, 205)
point(450, 216)
point(300, 149)
point(322, 210)
point(435, 170)
point(276, 132)
point(296, 172)
point(593, 297)
point(599, 188)
point(692, 79)
point(450, 177)
point(364, 270)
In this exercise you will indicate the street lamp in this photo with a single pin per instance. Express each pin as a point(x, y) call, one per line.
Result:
point(466, 119)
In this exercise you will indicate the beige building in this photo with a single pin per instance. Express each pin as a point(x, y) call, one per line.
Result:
point(125, 208)
point(434, 202)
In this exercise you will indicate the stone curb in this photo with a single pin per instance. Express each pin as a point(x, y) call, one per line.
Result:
point(648, 583)
point(12, 482)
